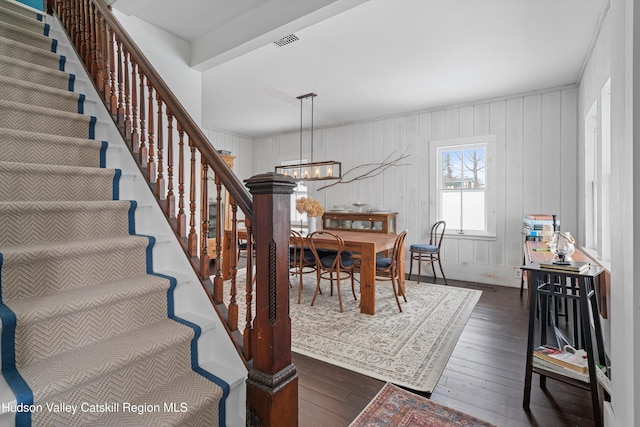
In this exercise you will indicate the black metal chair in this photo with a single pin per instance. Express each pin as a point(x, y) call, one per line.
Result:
point(429, 251)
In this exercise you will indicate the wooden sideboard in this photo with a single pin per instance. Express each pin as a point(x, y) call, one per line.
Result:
point(375, 222)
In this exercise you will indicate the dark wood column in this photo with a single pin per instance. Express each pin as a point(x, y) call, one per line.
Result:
point(272, 386)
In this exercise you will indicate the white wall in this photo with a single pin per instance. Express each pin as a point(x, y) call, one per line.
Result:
point(624, 45)
point(170, 57)
point(241, 148)
point(537, 141)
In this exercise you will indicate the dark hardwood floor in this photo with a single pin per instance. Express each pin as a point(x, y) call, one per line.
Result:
point(484, 376)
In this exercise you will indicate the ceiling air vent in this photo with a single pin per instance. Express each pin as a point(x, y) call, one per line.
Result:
point(286, 40)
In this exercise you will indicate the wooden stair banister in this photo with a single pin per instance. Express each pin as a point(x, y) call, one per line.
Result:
point(175, 158)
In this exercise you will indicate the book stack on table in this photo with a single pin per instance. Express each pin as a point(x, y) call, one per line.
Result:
point(533, 224)
point(576, 267)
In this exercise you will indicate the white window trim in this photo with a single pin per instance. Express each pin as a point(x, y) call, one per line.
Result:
point(297, 219)
point(490, 177)
point(597, 165)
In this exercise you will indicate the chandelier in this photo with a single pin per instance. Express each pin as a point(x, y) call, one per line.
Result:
point(311, 171)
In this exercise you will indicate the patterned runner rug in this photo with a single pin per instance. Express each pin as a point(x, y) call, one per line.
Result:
point(396, 407)
point(409, 349)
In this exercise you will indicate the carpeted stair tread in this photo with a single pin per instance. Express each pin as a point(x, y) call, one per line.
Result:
point(36, 270)
point(55, 183)
point(76, 368)
point(32, 147)
point(199, 395)
point(27, 223)
point(29, 72)
point(25, 20)
point(44, 120)
point(56, 323)
point(22, 32)
point(14, 49)
point(62, 303)
point(34, 94)
point(19, 8)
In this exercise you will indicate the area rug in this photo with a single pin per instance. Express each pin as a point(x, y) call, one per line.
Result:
point(409, 349)
point(396, 407)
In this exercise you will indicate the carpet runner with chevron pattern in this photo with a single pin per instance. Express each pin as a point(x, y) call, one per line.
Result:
point(85, 321)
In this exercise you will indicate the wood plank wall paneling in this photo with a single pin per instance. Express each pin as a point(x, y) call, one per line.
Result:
point(536, 137)
point(496, 125)
point(514, 176)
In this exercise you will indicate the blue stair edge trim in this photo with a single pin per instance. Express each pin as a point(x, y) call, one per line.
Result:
point(54, 45)
point(196, 329)
point(72, 80)
point(92, 127)
point(103, 154)
point(63, 60)
point(39, 17)
point(116, 184)
point(47, 27)
point(81, 98)
point(132, 217)
point(22, 391)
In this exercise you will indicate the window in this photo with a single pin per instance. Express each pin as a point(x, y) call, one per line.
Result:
point(464, 192)
point(597, 174)
point(297, 219)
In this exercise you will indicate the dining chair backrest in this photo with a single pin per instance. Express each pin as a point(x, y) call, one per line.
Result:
point(319, 252)
point(389, 268)
point(398, 247)
point(332, 264)
point(437, 233)
point(298, 254)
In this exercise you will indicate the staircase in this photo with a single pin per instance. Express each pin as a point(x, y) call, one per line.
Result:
point(104, 321)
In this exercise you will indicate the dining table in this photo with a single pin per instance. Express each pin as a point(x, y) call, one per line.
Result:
point(367, 245)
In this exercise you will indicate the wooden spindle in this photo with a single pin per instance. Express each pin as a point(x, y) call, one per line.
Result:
point(142, 151)
point(113, 100)
point(160, 182)
point(135, 137)
point(127, 97)
point(120, 111)
point(218, 280)
point(233, 305)
point(170, 203)
point(83, 49)
point(247, 344)
point(99, 77)
point(106, 58)
point(151, 163)
point(192, 240)
point(204, 219)
point(181, 218)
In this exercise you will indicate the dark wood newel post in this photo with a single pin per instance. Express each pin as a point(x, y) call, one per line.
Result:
point(272, 386)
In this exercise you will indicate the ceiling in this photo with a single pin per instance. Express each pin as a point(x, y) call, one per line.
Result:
point(369, 59)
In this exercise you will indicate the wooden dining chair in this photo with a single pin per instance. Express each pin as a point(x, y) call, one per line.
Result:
point(338, 263)
point(242, 243)
point(429, 251)
point(389, 268)
point(301, 259)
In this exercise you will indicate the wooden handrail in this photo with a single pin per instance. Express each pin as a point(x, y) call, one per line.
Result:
point(200, 141)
